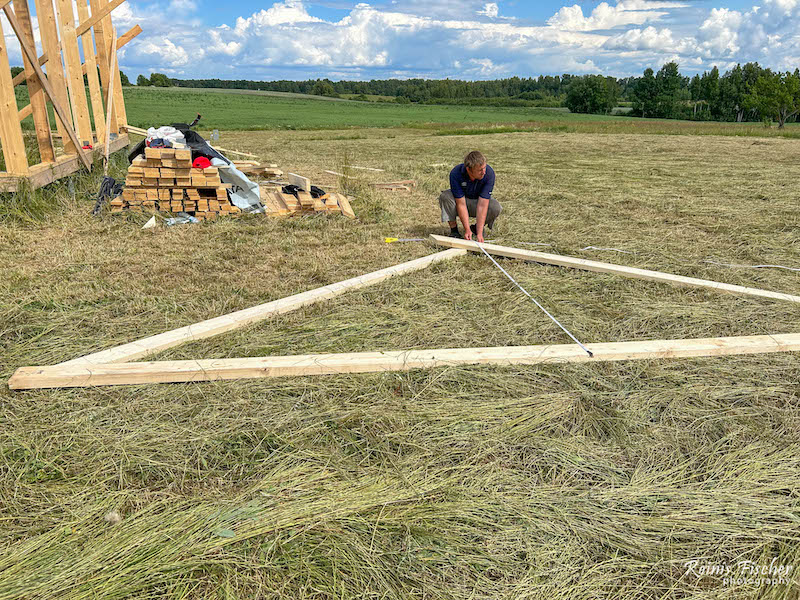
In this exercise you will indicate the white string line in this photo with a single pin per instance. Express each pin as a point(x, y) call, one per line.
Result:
point(524, 291)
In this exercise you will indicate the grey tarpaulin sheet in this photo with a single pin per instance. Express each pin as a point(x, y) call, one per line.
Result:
point(244, 193)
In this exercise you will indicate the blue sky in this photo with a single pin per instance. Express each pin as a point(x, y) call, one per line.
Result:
point(464, 39)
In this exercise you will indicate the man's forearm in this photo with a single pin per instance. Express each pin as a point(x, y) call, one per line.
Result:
point(463, 214)
point(480, 213)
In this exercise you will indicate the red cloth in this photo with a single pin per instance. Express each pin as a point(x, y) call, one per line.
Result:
point(201, 162)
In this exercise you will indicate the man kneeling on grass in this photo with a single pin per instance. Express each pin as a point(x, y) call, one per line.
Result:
point(470, 195)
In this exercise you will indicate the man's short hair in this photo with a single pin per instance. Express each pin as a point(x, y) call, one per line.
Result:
point(474, 159)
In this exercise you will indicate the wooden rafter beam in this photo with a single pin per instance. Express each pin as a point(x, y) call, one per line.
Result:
point(20, 77)
point(77, 375)
point(242, 318)
point(94, 19)
point(128, 36)
point(600, 267)
point(124, 39)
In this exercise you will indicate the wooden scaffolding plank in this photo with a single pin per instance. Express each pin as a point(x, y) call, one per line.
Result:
point(10, 131)
point(59, 110)
point(242, 318)
point(600, 267)
point(72, 62)
point(41, 120)
point(82, 375)
point(102, 34)
point(48, 31)
point(90, 69)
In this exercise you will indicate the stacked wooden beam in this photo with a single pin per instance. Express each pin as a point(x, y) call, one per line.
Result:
point(163, 180)
point(281, 204)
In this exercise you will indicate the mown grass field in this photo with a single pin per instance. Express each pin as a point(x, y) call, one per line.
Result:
point(575, 481)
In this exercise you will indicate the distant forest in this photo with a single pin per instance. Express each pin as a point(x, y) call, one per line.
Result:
point(745, 93)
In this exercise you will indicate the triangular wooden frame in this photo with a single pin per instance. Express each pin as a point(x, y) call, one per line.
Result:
point(111, 367)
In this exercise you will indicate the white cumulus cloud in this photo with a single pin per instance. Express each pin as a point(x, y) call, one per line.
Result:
point(490, 9)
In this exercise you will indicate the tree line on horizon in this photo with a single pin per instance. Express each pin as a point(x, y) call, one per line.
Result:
point(744, 93)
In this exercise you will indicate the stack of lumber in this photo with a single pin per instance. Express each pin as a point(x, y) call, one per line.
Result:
point(281, 204)
point(163, 180)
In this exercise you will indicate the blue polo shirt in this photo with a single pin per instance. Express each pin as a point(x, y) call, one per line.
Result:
point(461, 185)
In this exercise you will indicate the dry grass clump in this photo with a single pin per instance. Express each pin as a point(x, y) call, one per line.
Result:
point(574, 481)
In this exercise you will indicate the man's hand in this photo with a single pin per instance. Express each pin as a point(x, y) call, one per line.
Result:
point(479, 237)
point(468, 234)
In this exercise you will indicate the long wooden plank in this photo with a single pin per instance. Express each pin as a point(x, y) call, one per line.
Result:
point(59, 110)
point(72, 62)
point(38, 101)
point(102, 34)
point(90, 69)
point(48, 30)
point(82, 375)
point(10, 131)
point(110, 106)
point(119, 100)
point(600, 267)
point(242, 318)
point(88, 22)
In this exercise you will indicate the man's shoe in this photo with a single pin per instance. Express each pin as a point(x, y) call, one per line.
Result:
point(455, 233)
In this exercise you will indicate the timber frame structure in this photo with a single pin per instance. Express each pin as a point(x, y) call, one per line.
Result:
point(54, 75)
point(112, 366)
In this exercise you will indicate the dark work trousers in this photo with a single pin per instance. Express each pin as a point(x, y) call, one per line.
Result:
point(448, 205)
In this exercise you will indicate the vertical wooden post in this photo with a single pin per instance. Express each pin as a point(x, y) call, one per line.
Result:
point(72, 60)
point(55, 70)
point(119, 99)
point(10, 129)
point(41, 121)
point(103, 36)
point(91, 74)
